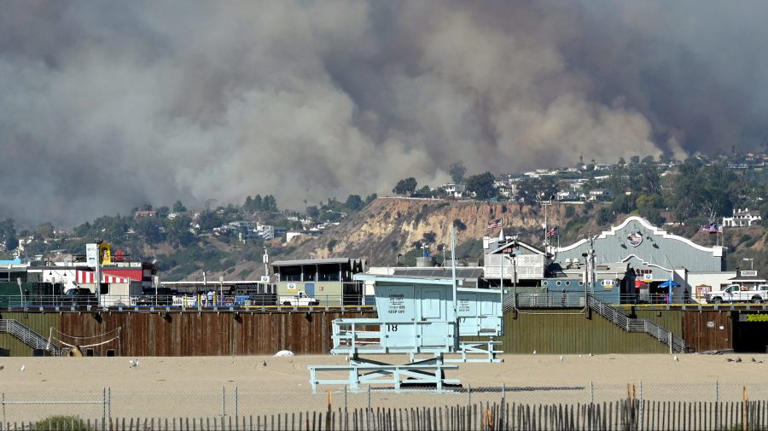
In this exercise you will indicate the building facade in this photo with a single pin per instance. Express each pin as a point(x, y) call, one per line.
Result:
point(655, 256)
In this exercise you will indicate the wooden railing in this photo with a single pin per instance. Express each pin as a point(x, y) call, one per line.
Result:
point(629, 414)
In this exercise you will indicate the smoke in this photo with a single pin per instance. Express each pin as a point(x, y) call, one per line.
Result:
point(106, 106)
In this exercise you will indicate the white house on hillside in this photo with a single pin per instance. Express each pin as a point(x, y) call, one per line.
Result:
point(742, 218)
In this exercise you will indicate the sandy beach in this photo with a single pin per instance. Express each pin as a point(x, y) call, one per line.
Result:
point(205, 386)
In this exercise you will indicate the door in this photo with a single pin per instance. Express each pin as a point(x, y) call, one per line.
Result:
point(433, 326)
point(431, 304)
point(309, 289)
point(728, 294)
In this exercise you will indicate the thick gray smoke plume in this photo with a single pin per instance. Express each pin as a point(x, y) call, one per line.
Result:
point(108, 105)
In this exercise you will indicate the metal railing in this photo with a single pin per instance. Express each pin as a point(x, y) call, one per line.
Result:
point(179, 301)
point(27, 336)
point(636, 325)
point(545, 300)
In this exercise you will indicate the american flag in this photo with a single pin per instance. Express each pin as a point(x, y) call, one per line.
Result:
point(493, 224)
point(712, 228)
point(554, 231)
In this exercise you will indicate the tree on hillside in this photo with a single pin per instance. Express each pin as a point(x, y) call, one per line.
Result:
point(457, 171)
point(45, 230)
point(604, 216)
point(370, 198)
point(209, 220)
point(269, 203)
point(703, 191)
point(764, 214)
point(179, 207)
point(313, 212)
point(428, 238)
point(8, 234)
point(482, 185)
point(179, 234)
point(149, 229)
point(405, 186)
point(354, 203)
point(458, 224)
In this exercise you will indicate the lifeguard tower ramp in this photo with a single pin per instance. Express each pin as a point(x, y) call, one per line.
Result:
point(416, 316)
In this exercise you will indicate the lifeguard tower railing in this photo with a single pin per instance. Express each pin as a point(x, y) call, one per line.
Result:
point(416, 316)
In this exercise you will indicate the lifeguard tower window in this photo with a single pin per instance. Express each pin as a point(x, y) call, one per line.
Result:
point(290, 273)
point(328, 273)
point(310, 273)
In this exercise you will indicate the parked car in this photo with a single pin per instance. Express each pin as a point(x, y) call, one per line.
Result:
point(735, 293)
point(300, 300)
point(78, 297)
point(163, 297)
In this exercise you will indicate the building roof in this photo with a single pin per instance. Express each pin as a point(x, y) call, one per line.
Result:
point(743, 279)
point(518, 243)
point(299, 262)
point(439, 272)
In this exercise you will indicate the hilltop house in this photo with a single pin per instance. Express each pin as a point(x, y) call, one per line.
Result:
point(742, 218)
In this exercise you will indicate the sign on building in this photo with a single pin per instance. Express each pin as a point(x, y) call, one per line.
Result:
point(92, 254)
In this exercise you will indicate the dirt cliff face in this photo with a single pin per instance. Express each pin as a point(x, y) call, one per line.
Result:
point(389, 226)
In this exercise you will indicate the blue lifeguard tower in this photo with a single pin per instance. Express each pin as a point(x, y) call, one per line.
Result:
point(417, 316)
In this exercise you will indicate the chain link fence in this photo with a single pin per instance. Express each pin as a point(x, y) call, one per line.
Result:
point(233, 400)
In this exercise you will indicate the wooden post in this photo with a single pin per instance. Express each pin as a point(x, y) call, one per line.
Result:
point(744, 409)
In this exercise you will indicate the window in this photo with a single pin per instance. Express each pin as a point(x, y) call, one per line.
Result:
point(290, 273)
point(328, 273)
point(310, 272)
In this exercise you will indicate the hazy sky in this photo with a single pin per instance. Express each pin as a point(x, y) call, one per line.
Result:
point(108, 105)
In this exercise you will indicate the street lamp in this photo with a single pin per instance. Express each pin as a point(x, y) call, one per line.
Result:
point(21, 293)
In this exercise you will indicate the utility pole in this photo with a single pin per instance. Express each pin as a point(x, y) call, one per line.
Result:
point(546, 204)
point(265, 260)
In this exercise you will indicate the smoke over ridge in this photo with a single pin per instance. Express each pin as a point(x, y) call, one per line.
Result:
point(105, 106)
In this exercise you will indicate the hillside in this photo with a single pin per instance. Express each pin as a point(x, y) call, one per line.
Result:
point(390, 226)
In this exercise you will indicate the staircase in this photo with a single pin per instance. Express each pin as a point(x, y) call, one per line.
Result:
point(636, 325)
point(27, 336)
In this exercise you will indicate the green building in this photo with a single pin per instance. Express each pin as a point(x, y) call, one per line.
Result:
point(327, 280)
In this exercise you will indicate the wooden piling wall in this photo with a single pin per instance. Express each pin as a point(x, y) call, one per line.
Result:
point(208, 334)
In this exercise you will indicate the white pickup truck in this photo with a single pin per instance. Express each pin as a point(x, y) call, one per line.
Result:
point(734, 293)
point(300, 300)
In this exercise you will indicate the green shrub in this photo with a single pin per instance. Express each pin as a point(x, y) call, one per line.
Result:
point(61, 422)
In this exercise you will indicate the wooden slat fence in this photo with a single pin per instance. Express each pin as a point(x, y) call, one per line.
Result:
point(624, 415)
